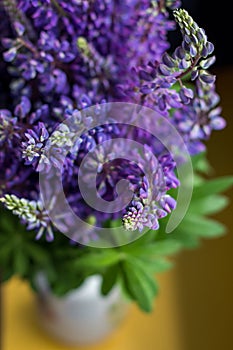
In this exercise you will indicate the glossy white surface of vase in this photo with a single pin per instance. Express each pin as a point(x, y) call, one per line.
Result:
point(82, 316)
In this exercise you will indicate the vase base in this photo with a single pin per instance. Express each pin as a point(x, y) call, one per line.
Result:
point(83, 316)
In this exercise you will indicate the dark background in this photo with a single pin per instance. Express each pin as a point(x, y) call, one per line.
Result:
point(205, 275)
point(216, 18)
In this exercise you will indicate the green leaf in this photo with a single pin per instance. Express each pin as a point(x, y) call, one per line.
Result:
point(20, 262)
point(139, 283)
point(109, 279)
point(143, 241)
point(208, 205)
point(7, 221)
point(188, 241)
point(201, 164)
point(212, 187)
point(37, 253)
point(155, 249)
point(68, 283)
point(5, 251)
point(102, 259)
point(203, 227)
point(157, 265)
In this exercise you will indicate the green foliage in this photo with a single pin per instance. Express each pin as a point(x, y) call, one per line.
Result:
point(110, 277)
point(138, 282)
point(211, 187)
point(133, 266)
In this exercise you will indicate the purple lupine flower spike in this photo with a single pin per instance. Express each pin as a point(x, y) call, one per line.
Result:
point(61, 57)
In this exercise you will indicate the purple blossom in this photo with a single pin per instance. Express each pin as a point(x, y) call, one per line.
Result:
point(33, 148)
point(8, 127)
point(61, 57)
point(197, 120)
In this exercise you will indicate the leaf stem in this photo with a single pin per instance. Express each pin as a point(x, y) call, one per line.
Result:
point(189, 69)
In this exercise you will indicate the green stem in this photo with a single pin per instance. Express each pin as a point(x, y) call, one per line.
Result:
point(14, 13)
point(29, 46)
point(189, 69)
point(59, 8)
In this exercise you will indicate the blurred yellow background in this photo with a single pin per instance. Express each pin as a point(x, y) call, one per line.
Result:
point(195, 307)
point(204, 277)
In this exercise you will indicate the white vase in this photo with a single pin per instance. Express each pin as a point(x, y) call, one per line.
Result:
point(83, 316)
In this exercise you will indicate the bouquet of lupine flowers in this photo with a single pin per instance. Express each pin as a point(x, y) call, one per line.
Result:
point(64, 67)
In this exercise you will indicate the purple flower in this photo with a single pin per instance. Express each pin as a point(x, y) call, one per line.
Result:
point(61, 57)
point(23, 108)
point(8, 127)
point(33, 148)
point(197, 120)
point(10, 54)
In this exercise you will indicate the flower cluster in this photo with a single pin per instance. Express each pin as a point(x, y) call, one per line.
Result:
point(31, 212)
point(61, 57)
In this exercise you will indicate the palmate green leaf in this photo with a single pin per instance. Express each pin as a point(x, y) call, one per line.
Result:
point(66, 282)
point(145, 239)
point(186, 240)
point(208, 205)
point(37, 253)
point(105, 257)
point(205, 201)
point(201, 227)
point(151, 264)
point(139, 283)
point(7, 221)
point(10, 224)
point(155, 249)
point(201, 164)
point(5, 251)
point(197, 180)
point(212, 187)
point(157, 265)
point(109, 279)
